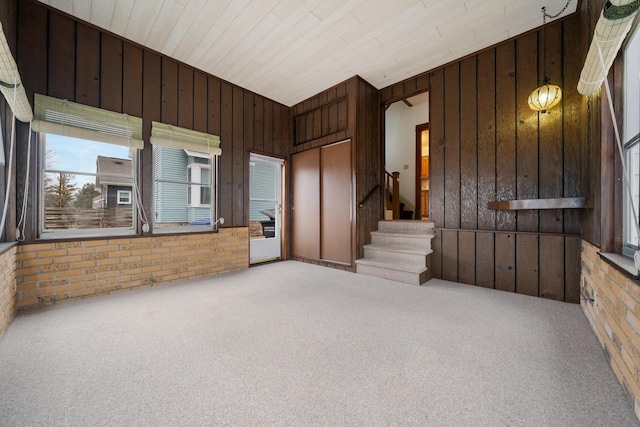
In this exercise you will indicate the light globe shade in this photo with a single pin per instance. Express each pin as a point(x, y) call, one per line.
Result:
point(545, 97)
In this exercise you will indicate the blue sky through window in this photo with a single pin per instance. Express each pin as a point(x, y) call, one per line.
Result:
point(79, 155)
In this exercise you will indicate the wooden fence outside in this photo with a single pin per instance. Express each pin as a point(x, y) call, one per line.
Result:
point(69, 218)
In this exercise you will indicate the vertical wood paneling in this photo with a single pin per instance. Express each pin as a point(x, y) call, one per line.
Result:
point(572, 269)
point(214, 110)
point(132, 80)
point(436, 256)
point(268, 125)
point(505, 133)
point(572, 136)
point(527, 264)
point(505, 262)
point(111, 73)
point(62, 57)
point(151, 111)
point(551, 176)
point(238, 158)
point(467, 257)
point(552, 267)
point(87, 66)
point(169, 92)
point(199, 101)
point(32, 62)
point(436, 149)
point(527, 131)
point(468, 145)
point(450, 255)
point(277, 138)
point(258, 125)
point(226, 160)
point(486, 140)
point(185, 97)
point(452, 146)
point(485, 251)
point(247, 133)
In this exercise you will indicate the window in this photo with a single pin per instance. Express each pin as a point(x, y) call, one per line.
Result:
point(185, 175)
point(199, 195)
point(87, 169)
point(631, 140)
point(124, 197)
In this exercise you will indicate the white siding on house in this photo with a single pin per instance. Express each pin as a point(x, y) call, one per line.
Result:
point(263, 197)
point(171, 198)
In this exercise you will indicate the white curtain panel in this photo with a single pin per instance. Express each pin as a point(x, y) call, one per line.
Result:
point(10, 83)
point(614, 23)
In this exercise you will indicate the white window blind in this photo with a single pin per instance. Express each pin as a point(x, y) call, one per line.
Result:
point(614, 23)
point(177, 137)
point(10, 83)
point(65, 118)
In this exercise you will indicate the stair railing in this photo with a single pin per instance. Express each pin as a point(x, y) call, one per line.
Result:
point(369, 194)
point(393, 192)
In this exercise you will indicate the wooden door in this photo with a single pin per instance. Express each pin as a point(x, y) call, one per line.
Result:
point(336, 202)
point(305, 171)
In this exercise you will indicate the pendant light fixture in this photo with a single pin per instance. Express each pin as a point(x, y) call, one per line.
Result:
point(546, 96)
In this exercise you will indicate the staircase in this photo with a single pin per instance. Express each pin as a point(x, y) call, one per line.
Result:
point(398, 251)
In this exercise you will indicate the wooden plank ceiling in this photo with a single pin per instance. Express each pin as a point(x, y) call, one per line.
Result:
point(289, 50)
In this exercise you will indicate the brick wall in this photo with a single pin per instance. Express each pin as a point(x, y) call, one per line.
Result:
point(49, 272)
point(614, 317)
point(8, 297)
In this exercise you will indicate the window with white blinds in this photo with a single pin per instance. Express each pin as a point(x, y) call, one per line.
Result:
point(65, 118)
point(88, 169)
point(185, 164)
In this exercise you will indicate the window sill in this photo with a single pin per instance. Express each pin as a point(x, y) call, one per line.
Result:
point(621, 263)
point(4, 247)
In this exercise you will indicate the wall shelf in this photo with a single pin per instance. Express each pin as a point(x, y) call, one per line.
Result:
point(558, 203)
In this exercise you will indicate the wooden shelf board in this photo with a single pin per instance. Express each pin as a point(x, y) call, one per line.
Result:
point(558, 203)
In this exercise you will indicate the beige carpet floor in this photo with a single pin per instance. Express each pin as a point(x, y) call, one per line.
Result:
point(296, 344)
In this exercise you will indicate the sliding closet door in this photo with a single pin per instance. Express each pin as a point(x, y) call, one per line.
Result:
point(337, 203)
point(305, 171)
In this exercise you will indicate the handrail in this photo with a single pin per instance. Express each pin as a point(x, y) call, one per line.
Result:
point(393, 187)
point(369, 194)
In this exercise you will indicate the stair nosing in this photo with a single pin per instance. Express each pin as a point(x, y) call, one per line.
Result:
point(404, 234)
point(399, 249)
point(397, 267)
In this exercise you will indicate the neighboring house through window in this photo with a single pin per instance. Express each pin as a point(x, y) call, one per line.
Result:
point(87, 169)
point(185, 178)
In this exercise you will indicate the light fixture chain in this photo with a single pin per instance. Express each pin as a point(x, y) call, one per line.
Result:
point(546, 15)
point(544, 45)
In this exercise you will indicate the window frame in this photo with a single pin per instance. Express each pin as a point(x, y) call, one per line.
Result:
point(119, 193)
point(195, 188)
point(213, 165)
point(631, 145)
point(44, 233)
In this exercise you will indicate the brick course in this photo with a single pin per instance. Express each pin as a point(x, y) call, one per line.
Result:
point(614, 317)
point(50, 272)
point(8, 296)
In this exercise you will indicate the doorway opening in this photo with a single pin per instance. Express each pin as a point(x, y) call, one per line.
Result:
point(422, 172)
point(265, 208)
point(403, 157)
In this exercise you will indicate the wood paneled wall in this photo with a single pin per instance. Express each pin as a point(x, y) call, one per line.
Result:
point(64, 58)
point(349, 110)
point(486, 144)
